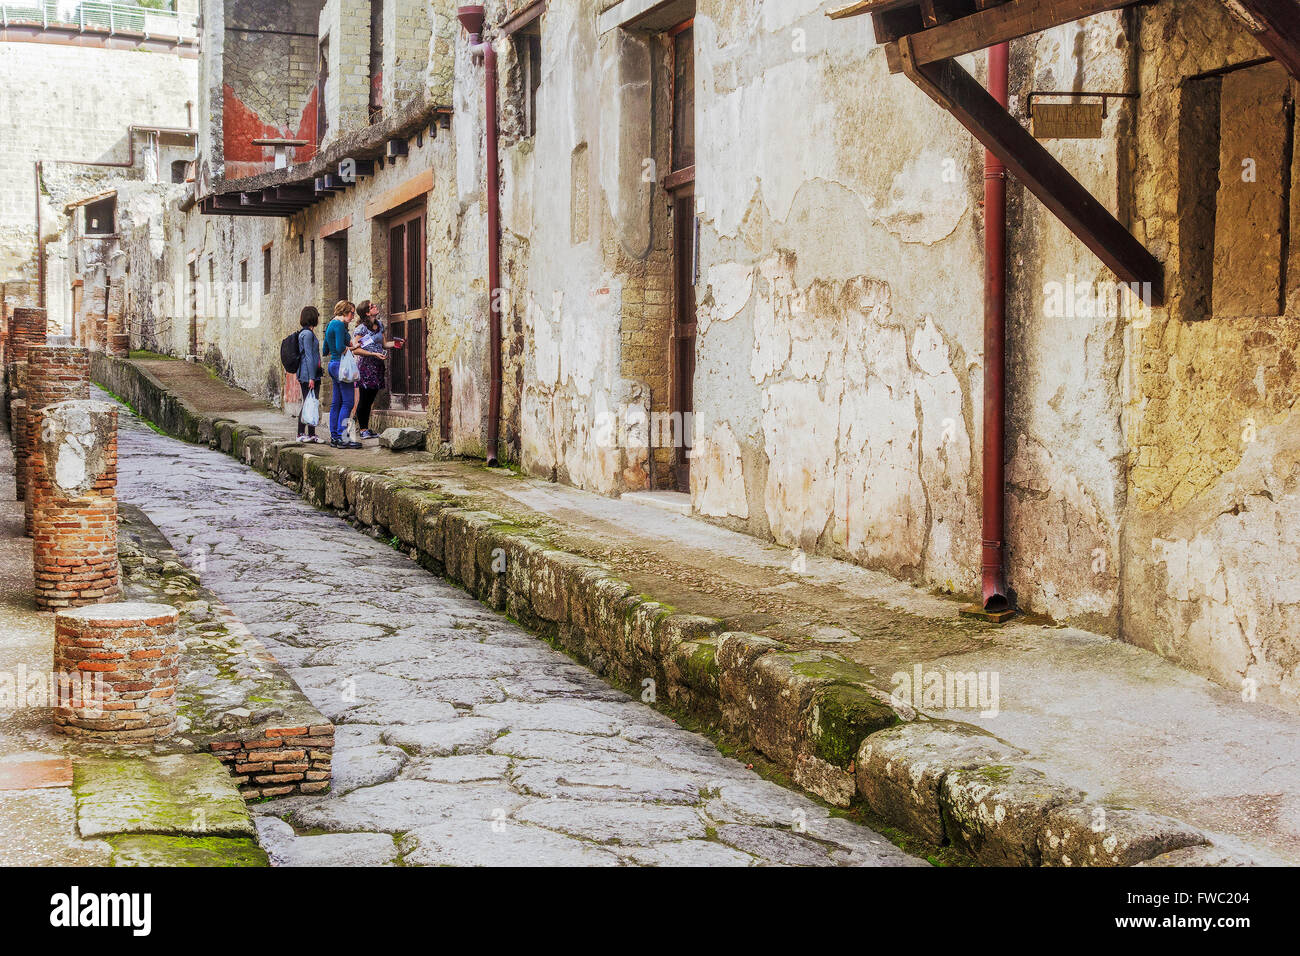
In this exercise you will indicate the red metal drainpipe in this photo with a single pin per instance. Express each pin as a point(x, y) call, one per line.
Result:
point(471, 18)
point(993, 552)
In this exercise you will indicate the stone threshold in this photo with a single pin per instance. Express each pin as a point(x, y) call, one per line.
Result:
point(817, 716)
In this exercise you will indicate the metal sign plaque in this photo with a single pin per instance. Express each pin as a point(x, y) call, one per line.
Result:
point(1068, 120)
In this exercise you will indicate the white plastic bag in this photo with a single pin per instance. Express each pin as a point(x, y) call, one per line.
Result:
point(311, 409)
point(349, 371)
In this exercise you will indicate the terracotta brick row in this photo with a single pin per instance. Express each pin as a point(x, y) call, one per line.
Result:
point(281, 761)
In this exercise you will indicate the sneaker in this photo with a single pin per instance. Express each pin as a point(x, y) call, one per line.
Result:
point(367, 433)
point(335, 443)
point(316, 439)
point(352, 445)
point(304, 439)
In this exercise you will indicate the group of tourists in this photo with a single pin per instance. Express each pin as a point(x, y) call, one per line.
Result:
point(353, 356)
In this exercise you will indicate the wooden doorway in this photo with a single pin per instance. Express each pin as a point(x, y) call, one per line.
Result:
point(408, 377)
point(680, 184)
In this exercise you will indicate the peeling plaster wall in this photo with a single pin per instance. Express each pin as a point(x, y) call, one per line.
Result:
point(840, 298)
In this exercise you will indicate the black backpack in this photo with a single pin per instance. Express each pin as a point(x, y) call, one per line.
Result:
point(290, 352)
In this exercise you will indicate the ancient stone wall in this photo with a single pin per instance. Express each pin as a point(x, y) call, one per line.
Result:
point(52, 98)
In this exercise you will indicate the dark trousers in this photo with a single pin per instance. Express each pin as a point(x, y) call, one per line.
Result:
point(366, 403)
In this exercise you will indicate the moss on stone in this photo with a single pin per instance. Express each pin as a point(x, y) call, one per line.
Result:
point(842, 715)
point(157, 850)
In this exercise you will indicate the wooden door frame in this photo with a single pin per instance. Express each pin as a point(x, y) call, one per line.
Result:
point(403, 216)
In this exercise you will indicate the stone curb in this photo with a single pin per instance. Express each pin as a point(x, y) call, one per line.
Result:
point(815, 714)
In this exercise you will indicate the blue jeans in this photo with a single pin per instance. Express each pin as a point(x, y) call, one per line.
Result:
point(340, 402)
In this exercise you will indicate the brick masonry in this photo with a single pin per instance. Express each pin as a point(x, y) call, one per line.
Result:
point(279, 761)
point(74, 506)
point(55, 373)
point(134, 647)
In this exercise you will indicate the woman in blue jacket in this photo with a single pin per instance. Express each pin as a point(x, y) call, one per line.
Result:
point(338, 342)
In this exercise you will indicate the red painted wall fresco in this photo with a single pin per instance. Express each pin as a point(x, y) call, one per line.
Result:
point(241, 125)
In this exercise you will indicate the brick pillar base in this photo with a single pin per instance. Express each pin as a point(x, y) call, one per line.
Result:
point(133, 648)
point(73, 491)
point(55, 373)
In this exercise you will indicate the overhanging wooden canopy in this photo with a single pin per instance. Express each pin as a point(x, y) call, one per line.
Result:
point(922, 39)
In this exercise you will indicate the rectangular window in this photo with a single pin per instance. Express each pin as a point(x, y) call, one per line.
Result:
point(1235, 194)
point(266, 270)
point(528, 53)
point(313, 262)
point(243, 280)
point(376, 59)
point(683, 150)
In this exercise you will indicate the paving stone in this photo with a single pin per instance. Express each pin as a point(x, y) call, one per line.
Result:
point(761, 803)
point(626, 823)
point(559, 746)
point(505, 844)
point(688, 853)
point(412, 710)
point(462, 735)
point(355, 767)
point(39, 828)
point(461, 769)
point(285, 848)
point(190, 794)
point(406, 804)
point(27, 772)
point(604, 780)
point(774, 845)
point(570, 717)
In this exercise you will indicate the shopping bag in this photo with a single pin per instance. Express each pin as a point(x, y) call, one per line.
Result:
point(311, 409)
point(349, 370)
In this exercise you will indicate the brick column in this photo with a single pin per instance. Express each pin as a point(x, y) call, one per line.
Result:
point(26, 328)
point(17, 427)
point(55, 373)
point(133, 647)
point(74, 505)
point(119, 338)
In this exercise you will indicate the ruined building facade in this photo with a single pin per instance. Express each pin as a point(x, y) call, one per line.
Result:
point(731, 213)
point(96, 115)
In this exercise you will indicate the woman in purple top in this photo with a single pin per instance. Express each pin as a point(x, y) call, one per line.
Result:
point(372, 352)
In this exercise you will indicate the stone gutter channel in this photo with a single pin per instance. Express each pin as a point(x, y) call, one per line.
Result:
point(817, 716)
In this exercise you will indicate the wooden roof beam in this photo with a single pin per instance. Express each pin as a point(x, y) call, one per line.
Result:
point(1276, 25)
point(994, 25)
point(1029, 161)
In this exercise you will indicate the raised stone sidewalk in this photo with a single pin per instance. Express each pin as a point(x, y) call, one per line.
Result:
point(68, 802)
point(1078, 751)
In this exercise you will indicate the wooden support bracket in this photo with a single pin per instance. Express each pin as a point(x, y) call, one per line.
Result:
point(958, 92)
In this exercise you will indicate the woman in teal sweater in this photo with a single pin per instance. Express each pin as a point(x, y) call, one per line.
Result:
point(338, 342)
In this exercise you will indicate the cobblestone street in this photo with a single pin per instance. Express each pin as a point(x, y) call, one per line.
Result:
point(461, 739)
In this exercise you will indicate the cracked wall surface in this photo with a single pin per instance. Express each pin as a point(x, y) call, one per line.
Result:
point(839, 377)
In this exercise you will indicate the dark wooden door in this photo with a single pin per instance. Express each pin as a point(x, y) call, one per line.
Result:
point(408, 380)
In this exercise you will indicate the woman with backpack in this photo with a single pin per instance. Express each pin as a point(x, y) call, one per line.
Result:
point(308, 369)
